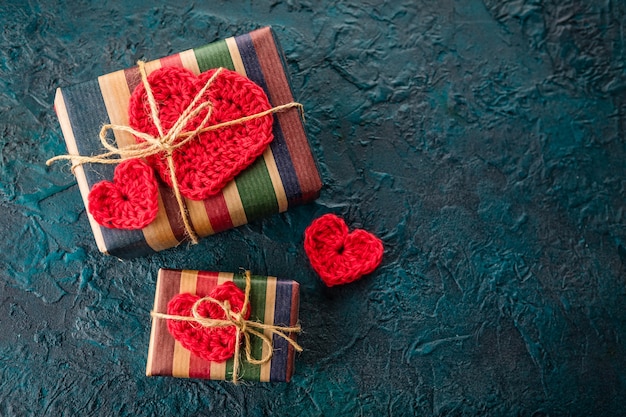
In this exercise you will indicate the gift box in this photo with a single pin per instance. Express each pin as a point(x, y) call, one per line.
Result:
point(273, 305)
point(285, 175)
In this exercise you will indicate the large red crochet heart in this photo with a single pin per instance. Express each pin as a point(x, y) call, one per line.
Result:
point(337, 256)
point(130, 201)
point(211, 343)
point(204, 165)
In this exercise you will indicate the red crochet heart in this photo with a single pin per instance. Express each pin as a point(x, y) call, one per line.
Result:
point(130, 201)
point(204, 165)
point(337, 256)
point(211, 343)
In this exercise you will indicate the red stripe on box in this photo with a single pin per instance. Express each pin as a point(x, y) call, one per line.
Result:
point(164, 349)
point(198, 367)
point(132, 78)
point(172, 61)
point(217, 211)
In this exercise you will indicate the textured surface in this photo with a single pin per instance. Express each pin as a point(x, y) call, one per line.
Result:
point(484, 142)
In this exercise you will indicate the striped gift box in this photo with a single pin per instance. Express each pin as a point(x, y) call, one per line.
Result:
point(272, 301)
point(284, 176)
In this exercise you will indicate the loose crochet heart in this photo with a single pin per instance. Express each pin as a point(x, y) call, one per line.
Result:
point(204, 165)
point(337, 256)
point(130, 201)
point(211, 343)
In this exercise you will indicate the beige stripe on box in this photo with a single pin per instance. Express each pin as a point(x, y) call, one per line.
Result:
point(223, 277)
point(70, 141)
point(180, 361)
point(160, 230)
point(277, 183)
point(235, 56)
point(270, 302)
point(188, 280)
point(199, 217)
point(116, 95)
point(234, 204)
point(188, 58)
point(152, 66)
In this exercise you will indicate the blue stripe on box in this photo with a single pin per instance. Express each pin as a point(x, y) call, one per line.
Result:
point(279, 148)
point(282, 317)
point(87, 113)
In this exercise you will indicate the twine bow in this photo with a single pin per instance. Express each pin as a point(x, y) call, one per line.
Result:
point(245, 328)
point(166, 142)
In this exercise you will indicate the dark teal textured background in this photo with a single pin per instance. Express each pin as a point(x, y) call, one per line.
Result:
point(483, 141)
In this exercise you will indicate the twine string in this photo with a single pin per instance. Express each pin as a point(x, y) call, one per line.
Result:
point(244, 328)
point(168, 141)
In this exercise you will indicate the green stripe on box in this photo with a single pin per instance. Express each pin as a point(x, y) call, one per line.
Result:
point(258, 287)
point(214, 55)
point(256, 190)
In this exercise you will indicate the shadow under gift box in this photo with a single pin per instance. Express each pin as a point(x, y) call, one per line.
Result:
point(284, 176)
point(272, 301)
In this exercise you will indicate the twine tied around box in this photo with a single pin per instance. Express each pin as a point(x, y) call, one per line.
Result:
point(244, 328)
point(166, 141)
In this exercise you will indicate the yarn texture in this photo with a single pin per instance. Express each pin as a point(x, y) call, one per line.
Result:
point(130, 201)
point(205, 164)
point(198, 132)
point(210, 343)
point(340, 257)
point(213, 326)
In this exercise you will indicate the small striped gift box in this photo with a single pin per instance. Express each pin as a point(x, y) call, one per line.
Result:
point(272, 301)
point(285, 175)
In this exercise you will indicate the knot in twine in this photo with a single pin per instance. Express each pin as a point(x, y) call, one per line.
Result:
point(245, 328)
point(168, 141)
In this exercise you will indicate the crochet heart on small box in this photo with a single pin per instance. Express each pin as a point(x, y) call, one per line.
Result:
point(205, 164)
point(340, 257)
point(130, 201)
point(211, 343)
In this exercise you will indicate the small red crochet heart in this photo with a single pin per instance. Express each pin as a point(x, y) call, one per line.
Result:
point(337, 256)
point(130, 201)
point(204, 165)
point(210, 343)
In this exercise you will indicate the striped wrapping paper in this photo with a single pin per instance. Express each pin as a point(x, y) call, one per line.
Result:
point(272, 301)
point(284, 176)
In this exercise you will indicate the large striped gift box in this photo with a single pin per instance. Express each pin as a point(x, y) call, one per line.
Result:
point(272, 301)
point(285, 175)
